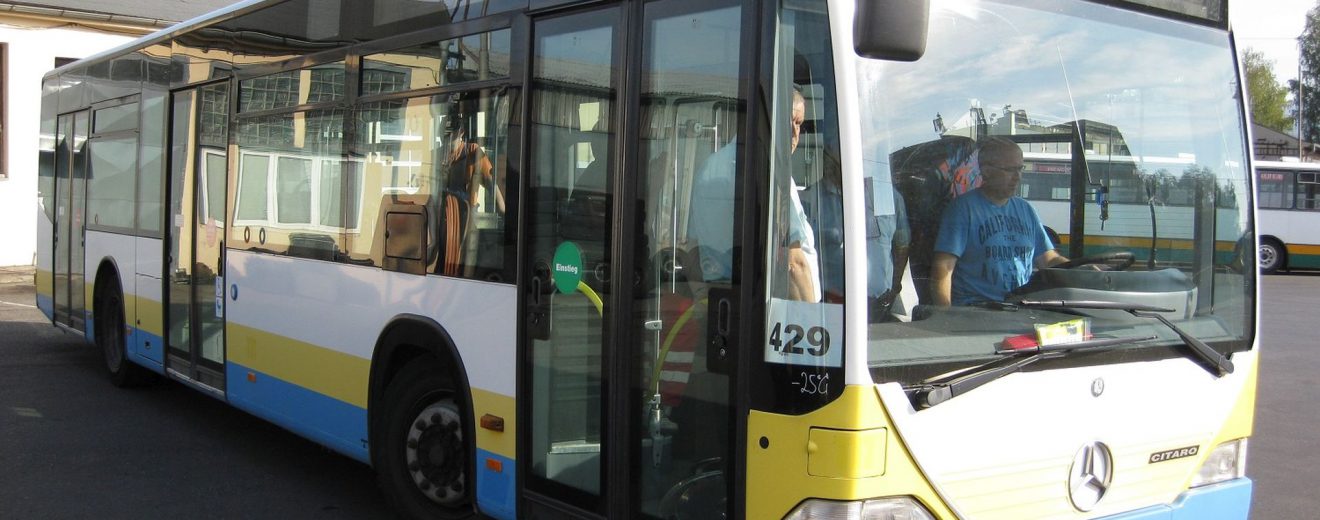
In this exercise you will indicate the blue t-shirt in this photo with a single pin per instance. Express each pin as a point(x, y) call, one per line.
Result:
point(995, 246)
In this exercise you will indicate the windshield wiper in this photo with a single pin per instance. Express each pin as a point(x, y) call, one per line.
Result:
point(1212, 360)
point(931, 394)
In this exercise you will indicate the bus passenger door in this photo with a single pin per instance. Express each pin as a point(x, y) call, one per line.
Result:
point(630, 293)
point(70, 230)
point(195, 291)
point(567, 296)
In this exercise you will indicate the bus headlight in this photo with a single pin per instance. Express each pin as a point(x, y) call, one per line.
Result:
point(1227, 462)
point(897, 508)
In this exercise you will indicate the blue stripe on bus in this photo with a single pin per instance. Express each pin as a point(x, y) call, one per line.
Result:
point(338, 425)
point(495, 489)
point(1225, 501)
point(152, 358)
point(47, 306)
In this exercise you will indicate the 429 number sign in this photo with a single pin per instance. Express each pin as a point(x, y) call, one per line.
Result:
point(788, 339)
point(803, 333)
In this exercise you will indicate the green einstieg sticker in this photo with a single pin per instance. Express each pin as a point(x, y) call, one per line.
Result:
point(567, 267)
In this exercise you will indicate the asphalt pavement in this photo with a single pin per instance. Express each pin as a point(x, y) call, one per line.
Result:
point(72, 446)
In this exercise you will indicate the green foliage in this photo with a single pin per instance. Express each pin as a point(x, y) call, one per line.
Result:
point(1309, 43)
point(1269, 98)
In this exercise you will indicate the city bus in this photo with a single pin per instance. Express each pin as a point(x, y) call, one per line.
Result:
point(671, 258)
point(1288, 194)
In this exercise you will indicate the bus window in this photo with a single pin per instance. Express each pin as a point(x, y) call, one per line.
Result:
point(691, 160)
point(447, 154)
point(1143, 179)
point(803, 340)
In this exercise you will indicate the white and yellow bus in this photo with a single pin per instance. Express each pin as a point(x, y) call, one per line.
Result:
point(670, 259)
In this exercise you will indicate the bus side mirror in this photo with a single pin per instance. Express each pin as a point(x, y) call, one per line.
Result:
point(891, 29)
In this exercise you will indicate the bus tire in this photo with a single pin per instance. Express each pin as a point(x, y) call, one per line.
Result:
point(1272, 256)
point(109, 325)
point(423, 468)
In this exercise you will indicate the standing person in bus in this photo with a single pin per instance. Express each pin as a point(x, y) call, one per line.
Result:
point(713, 196)
point(887, 240)
point(466, 168)
point(990, 238)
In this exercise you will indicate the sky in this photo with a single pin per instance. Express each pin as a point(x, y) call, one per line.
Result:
point(1271, 27)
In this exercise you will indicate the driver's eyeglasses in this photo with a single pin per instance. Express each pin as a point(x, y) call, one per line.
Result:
point(1018, 169)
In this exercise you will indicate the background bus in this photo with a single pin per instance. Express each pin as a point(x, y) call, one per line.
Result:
point(1288, 198)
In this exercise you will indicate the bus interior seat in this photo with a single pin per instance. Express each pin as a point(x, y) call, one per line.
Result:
point(928, 176)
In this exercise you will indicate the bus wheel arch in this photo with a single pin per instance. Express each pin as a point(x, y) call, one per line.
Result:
point(420, 421)
point(109, 324)
point(1272, 255)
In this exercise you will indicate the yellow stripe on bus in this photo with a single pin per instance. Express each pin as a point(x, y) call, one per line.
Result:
point(1144, 242)
point(45, 283)
point(335, 374)
point(1302, 249)
point(149, 316)
point(505, 407)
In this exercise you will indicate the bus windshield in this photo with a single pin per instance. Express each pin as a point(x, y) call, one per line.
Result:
point(1129, 129)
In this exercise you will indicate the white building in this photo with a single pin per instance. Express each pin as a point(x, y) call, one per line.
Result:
point(35, 37)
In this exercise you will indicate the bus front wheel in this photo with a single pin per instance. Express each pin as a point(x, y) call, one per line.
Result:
point(424, 453)
point(1272, 257)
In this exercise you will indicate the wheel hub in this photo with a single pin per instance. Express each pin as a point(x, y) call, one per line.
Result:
point(434, 453)
point(1267, 256)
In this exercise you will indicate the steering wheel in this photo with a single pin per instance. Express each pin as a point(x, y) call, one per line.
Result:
point(1115, 261)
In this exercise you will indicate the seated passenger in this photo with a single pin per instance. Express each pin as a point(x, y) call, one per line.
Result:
point(989, 238)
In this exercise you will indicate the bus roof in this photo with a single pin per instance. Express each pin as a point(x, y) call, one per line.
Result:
point(226, 13)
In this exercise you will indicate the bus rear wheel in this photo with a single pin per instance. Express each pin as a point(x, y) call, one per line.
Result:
point(425, 454)
point(109, 328)
point(1272, 257)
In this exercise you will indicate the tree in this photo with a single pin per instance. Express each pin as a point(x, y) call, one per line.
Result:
point(1268, 98)
point(1309, 43)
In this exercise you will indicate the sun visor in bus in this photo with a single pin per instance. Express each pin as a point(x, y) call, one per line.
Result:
point(891, 29)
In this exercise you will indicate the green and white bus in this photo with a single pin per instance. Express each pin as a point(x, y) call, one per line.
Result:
point(670, 258)
point(1288, 194)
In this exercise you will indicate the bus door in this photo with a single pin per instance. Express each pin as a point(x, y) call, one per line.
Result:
point(195, 291)
point(70, 229)
point(631, 295)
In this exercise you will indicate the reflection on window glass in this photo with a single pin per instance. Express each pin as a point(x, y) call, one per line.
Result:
point(1124, 152)
point(469, 58)
point(447, 154)
point(213, 175)
point(253, 171)
point(568, 199)
point(151, 175)
point(122, 117)
point(292, 88)
point(291, 184)
point(691, 111)
point(111, 181)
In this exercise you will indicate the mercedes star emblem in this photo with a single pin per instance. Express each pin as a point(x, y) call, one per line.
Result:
point(1090, 475)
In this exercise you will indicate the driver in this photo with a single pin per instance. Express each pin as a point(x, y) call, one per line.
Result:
point(989, 238)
